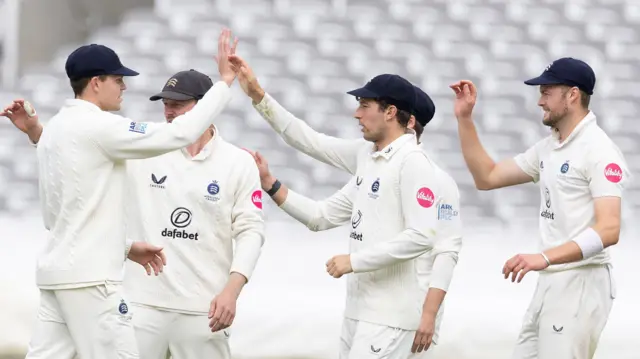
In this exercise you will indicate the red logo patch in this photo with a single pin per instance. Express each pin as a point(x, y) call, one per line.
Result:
point(425, 197)
point(613, 173)
point(256, 198)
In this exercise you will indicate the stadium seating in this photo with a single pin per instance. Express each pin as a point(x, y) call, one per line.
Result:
point(308, 53)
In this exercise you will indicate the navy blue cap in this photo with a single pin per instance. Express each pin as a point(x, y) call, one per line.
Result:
point(95, 60)
point(185, 85)
point(567, 71)
point(392, 88)
point(425, 109)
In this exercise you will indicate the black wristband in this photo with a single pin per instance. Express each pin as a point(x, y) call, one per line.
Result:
point(274, 188)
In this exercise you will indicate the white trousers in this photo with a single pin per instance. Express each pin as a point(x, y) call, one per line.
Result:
point(361, 340)
point(568, 312)
point(92, 323)
point(162, 333)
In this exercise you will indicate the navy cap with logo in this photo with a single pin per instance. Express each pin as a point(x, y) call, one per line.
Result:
point(95, 60)
point(392, 88)
point(567, 71)
point(185, 85)
point(425, 109)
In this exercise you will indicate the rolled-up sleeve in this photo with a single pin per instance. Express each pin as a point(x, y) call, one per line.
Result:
point(607, 172)
point(529, 161)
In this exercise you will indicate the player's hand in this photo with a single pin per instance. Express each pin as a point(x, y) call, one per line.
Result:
point(222, 310)
point(424, 334)
point(248, 81)
point(522, 264)
point(266, 178)
point(222, 58)
point(466, 96)
point(148, 256)
point(25, 121)
point(339, 265)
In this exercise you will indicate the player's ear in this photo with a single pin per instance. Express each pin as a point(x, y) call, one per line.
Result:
point(412, 122)
point(391, 111)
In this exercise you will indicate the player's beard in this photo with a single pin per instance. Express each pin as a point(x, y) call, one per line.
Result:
point(555, 117)
point(371, 136)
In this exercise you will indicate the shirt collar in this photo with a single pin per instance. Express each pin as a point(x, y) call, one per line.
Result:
point(208, 148)
point(394, 146)
point(76, 102)
point(589, 119)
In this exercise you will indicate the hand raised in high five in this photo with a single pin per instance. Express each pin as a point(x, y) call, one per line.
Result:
point(247, 78)
point(24, 117)
point(225, 49)
point(466, 96)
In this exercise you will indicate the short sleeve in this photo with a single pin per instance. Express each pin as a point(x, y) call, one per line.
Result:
point(607, 173)
point(529, 161)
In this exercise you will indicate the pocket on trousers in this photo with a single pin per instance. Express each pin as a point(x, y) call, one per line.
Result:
point(612, 282)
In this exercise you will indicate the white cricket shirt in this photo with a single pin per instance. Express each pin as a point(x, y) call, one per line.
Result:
point(586, 165)
point(81, 160)
point(393, 202)
point(194, 207)
point(437, 265)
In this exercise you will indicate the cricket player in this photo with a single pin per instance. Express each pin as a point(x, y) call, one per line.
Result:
point(437, 266)
point(581, 173)
point(392, 202)
point(83, 182)
point(203, 197)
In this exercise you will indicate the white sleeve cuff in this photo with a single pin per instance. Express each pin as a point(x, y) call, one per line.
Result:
point(127, 247)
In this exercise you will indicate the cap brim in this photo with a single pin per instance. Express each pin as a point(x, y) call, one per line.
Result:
point(363, 93)
point(124, 71)
point(170, 95)
point(543, 79)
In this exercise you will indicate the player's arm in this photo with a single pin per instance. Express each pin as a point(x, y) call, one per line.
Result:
point(487, 174)
point(121, 138)
point(607, 175)
point(336, 152)
point(445, 251)
point(247, 224)
point(315, 215)
point(419, 199)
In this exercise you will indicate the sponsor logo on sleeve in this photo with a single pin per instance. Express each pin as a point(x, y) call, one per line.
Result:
point(613, 173)
point(256, 198)
point(425, 197)
point(446, 212)
point(138, 127)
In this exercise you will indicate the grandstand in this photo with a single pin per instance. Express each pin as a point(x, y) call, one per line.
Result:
point(308, 53)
